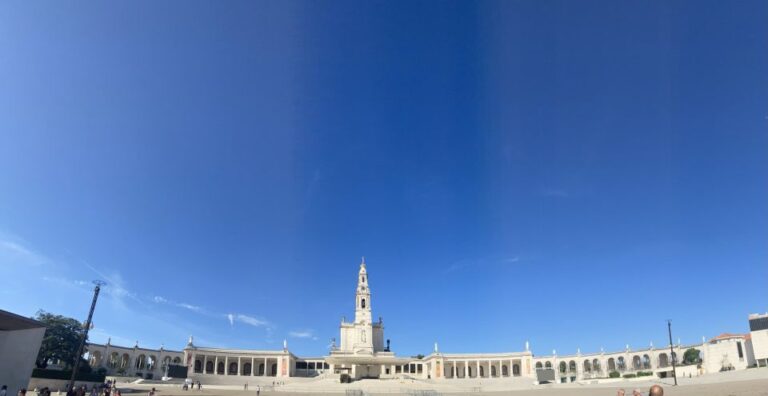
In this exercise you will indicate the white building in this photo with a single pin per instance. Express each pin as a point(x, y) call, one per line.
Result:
point(363, 353)
point(758, 331)
point(132, 361)
point(20, 340)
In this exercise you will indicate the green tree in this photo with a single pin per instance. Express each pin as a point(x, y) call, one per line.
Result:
point(61, 339)
point(691, 356)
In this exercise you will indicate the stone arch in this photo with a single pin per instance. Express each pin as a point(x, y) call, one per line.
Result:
point(247, 369)
point(95, 359)
point(273, 370)
point(571, 366)
point(596, 365)
point(587, 366)
point(198, 366)
point(504, 371)
point(261, 369)
point(663, 360)
point(482, 371)
point(622, 365)
point(611, 364)
point(176, 360)
point(493, 371)
point(515, 369)
point(209, 367)
point(646, 362)
point(539, 365)
point(114, 360)
point(166, 362)
point(232, 368)
point(674, 357)
point(563, 367)
point(548, 364)
point(469, 371)
point(636, 363)
point(125, 361)
point(151, 362)
point(220, 368)
point(141, 362)
point(362, 303)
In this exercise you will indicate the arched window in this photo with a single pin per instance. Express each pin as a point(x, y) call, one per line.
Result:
point(538, 365)
point(362, 304)
point(548, 364)
point(273, 371)
point(220, 368)
point(663, 360)
point(515, 369)
point(596, 365)
point(209, 367)
point(563, 367)
point(247, 369)
point(493, 371)
point(621, 363)
point(504, 371)
point(611, 364)
point(646, 362)
point(261, 369)
point(572, 366)
point(587, 366)
point(482, 372)
point(233, 368)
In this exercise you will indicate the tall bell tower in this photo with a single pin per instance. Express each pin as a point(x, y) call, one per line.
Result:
point(363, 297)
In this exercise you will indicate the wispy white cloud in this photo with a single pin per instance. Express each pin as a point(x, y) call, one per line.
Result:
point(15, 252)
point(302, 334)
point(163, 300)
point(255, 322)
point(231, 319)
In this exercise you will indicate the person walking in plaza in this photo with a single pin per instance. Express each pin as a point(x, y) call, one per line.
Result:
point(258, 390)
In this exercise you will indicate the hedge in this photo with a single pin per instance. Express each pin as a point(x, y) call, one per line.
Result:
point(67, 374)
point(614, 374)
point(630, 375)
point(644, 373)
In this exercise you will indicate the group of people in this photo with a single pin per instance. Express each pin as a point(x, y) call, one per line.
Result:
point(656, 390)
point(105, 389)
point(258, 388)
point(189, 384)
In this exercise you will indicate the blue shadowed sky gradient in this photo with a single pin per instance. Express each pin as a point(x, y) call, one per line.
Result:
point(568, 173)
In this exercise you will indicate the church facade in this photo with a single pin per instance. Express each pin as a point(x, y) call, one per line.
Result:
point(363, 352)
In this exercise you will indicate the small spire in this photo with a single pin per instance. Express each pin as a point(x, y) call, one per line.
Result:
point(362, 262)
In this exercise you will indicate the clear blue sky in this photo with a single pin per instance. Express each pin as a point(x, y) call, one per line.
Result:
point(568, 173)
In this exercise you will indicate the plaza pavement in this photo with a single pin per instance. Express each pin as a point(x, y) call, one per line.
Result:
point(752, 382)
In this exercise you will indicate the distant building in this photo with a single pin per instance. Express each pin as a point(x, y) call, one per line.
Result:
point(363, 353)
point(758, 331)
point(20, 340)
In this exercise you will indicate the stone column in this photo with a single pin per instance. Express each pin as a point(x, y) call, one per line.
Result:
point(466, 369)
point(265, 368)
point(226, 365)
point(477, 369)
point(216, 365)
point(253, 366)
point(202, 359)
point(239, 368)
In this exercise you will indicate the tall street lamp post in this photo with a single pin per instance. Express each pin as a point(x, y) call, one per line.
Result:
point(79, 354)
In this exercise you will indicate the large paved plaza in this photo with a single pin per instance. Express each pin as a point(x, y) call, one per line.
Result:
point(751, 382)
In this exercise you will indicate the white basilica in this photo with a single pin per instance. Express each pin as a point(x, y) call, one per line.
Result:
point(362, 353)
